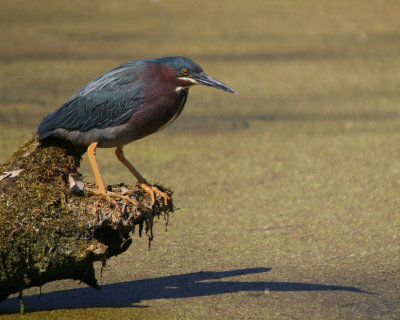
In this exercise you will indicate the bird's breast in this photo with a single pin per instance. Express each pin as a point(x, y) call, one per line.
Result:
point(158, 110)
point(178, 110)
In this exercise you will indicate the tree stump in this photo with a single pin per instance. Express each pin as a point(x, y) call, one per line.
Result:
point(54, 227)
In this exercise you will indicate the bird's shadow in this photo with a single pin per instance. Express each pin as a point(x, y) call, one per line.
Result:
point(130, 293)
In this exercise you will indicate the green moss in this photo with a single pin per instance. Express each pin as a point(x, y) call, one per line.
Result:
point(49, 232)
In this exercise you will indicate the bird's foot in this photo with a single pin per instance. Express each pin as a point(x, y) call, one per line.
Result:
point(153, 191)
point(109, 195)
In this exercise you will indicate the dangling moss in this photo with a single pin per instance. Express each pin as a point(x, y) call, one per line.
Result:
point(50, 232)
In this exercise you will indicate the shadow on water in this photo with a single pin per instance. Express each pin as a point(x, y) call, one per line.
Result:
point(216, 123)
point(346, 46)
point(126, 294)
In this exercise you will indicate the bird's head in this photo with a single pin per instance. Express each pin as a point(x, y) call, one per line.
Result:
point(189, 73)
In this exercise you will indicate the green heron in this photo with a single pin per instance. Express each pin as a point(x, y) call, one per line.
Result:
point(125, 104)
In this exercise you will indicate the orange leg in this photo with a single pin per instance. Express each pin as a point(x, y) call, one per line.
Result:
point(99, 180)
point(145, 185)
point(95, 167)
point(121, 157)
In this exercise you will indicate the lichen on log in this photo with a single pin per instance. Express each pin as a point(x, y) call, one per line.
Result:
point(51, 229)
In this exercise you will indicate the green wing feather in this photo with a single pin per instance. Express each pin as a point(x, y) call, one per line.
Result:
point(109, 100)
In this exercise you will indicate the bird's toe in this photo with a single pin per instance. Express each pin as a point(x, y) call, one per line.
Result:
point(156, 193)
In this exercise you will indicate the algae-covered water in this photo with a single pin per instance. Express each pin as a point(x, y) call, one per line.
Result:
point(288, 191)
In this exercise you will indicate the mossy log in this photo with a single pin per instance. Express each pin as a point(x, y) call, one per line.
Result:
point(52, 229)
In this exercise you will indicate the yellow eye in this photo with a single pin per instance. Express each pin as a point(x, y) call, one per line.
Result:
point(185, 72)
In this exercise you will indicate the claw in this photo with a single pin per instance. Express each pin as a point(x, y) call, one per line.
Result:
point(109, 195)
point(152, 190)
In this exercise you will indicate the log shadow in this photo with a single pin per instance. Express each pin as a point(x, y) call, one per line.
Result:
point(131, 293)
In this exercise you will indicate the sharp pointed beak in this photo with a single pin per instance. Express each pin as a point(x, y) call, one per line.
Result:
point(205, 79)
